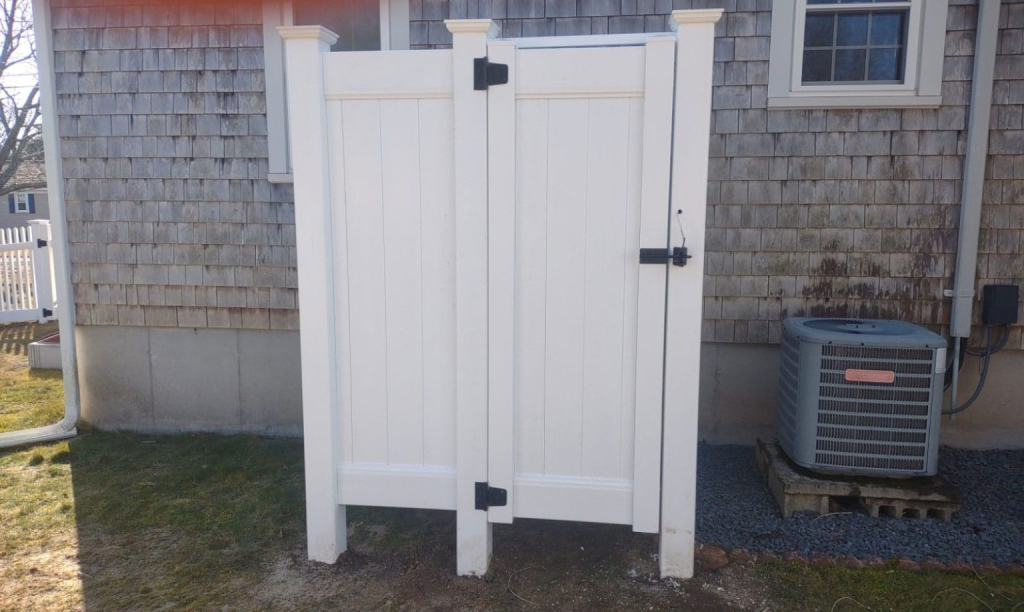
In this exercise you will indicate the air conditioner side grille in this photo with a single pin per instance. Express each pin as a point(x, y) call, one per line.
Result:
point(788, 386)
point(874, 426)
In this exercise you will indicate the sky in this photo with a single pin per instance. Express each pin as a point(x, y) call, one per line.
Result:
point(20, 79)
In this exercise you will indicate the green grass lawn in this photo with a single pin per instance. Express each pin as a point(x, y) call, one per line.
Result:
point(113, 521)
point(27, 398)
point(117, 521)
point(142, 522)
point(796, 587)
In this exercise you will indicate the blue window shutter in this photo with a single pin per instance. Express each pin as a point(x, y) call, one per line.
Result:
point(10, 202)
point(32, 203)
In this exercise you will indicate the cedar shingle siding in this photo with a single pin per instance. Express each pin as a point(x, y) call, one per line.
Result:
point(845, 213)
point(813, 212)
point(162, 117)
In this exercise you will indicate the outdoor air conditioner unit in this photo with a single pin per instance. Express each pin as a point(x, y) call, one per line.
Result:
point(861, 397)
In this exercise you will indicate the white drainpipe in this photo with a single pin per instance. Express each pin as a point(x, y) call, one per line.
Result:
point(51, 433)
point(986, 40)
point(65, 308)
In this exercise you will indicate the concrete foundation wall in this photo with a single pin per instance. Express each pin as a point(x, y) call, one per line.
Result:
point(179, 380)
point(230, 381)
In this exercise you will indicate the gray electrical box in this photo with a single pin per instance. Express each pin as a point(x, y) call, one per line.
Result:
point(860, 396)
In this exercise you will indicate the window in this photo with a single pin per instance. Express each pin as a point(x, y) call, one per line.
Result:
point(21, 203)
point(854, 46)
point(360, 25)
point(856, 53)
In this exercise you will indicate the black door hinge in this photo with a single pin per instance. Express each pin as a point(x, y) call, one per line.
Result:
point(40, 243)
point(678, 256)
point(47, 313)
point(486, 74)
point(489, 496)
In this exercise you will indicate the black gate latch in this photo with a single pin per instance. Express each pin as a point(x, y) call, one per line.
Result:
point(678, 256)
point(489, 496)
point(486, 74)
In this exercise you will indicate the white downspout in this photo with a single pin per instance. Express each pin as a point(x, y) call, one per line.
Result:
point(985, 43)
point(65, 309)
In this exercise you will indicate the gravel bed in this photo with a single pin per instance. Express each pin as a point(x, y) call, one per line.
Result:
point(735, 510)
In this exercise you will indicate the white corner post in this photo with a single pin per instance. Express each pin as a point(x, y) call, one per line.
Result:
point(305, 47)
point(473, 546)
point(695, 38)
point(43, 278)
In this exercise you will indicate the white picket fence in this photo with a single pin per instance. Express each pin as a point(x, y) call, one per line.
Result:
point(26, 274)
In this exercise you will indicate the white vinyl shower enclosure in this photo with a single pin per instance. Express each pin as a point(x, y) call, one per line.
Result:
point(501, 253)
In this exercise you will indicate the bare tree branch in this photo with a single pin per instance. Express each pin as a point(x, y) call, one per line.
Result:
point(20, 115)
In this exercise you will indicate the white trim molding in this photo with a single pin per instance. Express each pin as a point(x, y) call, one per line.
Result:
point(394, 25)
point(921, 86)
point(276, 13)
point(394, 35)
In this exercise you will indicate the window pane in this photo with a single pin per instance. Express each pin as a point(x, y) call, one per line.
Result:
point(850, 64)
point(852, 29)
point(867, 45)
point(885, 65)
point(817, 66)
point(818, 30)
point(887, 28)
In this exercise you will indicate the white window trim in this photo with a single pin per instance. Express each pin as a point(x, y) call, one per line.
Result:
point(394, 35)
point(276, 13)
point(394, 25)
point(19, 198)
point(922, 86)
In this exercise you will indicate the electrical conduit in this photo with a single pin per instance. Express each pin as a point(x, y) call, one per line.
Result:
point(986, 41)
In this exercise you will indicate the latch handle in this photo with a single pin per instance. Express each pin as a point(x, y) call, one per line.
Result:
point(678, 256)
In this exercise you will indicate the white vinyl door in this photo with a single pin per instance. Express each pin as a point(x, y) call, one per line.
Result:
point(579, 162)
point(390, 135)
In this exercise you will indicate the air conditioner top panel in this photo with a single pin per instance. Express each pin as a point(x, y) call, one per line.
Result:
point(866, 332)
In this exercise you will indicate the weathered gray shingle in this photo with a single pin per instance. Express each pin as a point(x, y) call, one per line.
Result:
point(838, 212)
point(164, 142)
point(844, 212)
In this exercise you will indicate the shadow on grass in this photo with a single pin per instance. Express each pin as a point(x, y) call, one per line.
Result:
point(176, 519)
point(15, 337)
point(207, 521)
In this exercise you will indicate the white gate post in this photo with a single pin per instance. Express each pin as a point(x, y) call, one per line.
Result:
point(305, 47)
point(695, 38)
point(43, 281)
point(473, 539)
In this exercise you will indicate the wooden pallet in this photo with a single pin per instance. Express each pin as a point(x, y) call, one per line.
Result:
point(797, 489)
